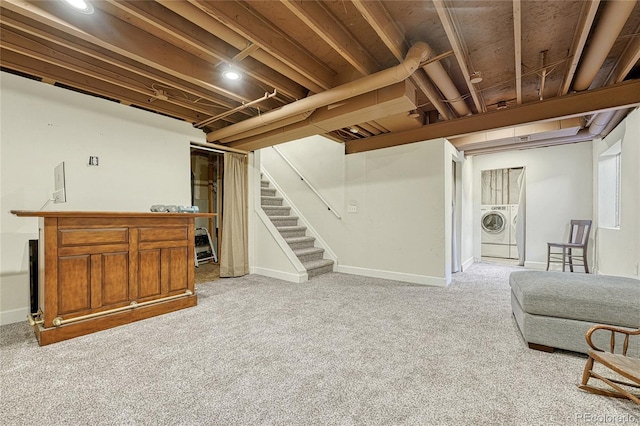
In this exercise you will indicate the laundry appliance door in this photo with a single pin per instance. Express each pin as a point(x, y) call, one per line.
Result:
point(494, 227)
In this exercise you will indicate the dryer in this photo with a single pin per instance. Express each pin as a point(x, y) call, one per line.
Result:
point(495, 222)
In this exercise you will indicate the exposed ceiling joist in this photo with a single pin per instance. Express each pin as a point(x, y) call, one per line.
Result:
point(393, 38)
point(315, 16)
point(241, 18)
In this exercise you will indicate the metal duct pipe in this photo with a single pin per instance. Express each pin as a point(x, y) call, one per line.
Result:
point(442, 80)
point(613, 18)
point(613, 120)
point(418, 53)
point(599, 122)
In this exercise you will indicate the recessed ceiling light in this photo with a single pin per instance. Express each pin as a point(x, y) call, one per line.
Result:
point(231, 74)
point(80, 5)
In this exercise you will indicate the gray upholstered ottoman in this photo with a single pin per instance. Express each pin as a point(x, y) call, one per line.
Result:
point(555, 309)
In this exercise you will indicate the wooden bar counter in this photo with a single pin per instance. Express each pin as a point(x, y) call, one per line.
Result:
point(98, 270)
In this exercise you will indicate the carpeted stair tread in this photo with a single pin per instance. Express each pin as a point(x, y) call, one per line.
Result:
point(283, 217)
point(291, 228)
point(307, 251)
point(271, 201)
point(293, 240)
point(318, 267)
point(276, 210)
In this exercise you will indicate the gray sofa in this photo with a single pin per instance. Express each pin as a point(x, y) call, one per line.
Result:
point(555, 309)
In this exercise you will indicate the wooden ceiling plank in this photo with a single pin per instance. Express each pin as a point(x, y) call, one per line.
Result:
point(393, 38)
point(241, 18)
point(116, 35)
point(457, 44)
point(589, 9)
point(517, 42)
point(326, 26)
point(7, 20)
point(621, 95)
point(204, 43)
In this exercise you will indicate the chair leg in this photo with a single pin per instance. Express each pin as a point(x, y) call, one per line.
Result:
point(586, 374)
point(564, 257)
point(548, 255)
point(570, 260)
point(584, 260)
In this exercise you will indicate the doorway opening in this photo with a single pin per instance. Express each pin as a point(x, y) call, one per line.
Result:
point(207, 171)
point(502, 218)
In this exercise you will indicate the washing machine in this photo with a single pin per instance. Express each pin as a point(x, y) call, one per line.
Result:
point(495, 221)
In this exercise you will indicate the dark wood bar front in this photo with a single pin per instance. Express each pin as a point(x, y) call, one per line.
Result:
point(98, 270)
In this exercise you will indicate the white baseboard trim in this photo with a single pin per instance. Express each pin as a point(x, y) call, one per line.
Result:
point(390, 275)
point(285, 276)
point(535, 265)
point(14, 315)
point(467, 263)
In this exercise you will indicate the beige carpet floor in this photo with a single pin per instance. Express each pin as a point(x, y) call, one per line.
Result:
point(338, 350)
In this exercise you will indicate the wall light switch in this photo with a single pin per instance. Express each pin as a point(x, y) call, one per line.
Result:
point(352, 209)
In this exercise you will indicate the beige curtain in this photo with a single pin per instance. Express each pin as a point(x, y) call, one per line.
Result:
point(234, 249)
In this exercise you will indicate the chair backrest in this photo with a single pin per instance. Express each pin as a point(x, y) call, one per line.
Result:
point(579, 233)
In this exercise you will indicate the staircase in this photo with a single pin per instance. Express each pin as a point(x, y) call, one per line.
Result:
point(302, 245)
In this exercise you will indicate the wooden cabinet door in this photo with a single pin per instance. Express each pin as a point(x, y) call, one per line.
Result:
point(92, 270)
point(162, 262)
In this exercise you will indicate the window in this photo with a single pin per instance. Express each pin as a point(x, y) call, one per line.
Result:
point(609, 187)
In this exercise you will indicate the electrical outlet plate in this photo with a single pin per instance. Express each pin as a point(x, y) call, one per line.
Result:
point(352, 209)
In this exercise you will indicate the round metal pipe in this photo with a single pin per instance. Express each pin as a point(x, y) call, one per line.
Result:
point(610, 24)
point(441, 79)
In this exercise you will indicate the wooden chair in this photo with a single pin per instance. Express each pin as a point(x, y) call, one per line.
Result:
point(625, 366)
point(578, 240)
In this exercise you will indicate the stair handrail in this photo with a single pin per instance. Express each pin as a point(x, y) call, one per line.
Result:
point(302, 178)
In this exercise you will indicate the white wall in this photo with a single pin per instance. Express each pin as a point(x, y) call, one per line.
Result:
point(400, 227)
point(470, 219)
point(618, 250)
point(144, 160)
point(559, 187)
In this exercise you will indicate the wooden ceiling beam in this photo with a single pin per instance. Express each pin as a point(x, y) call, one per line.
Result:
point(374, 12)
point(621, 95)
point(72, 61)
point(205, 21)
point(517, 43)
point(24, 25)
point(116, 36)
point(326, 26)
point(184, 34)
point(89, 85)
point(244, 20)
